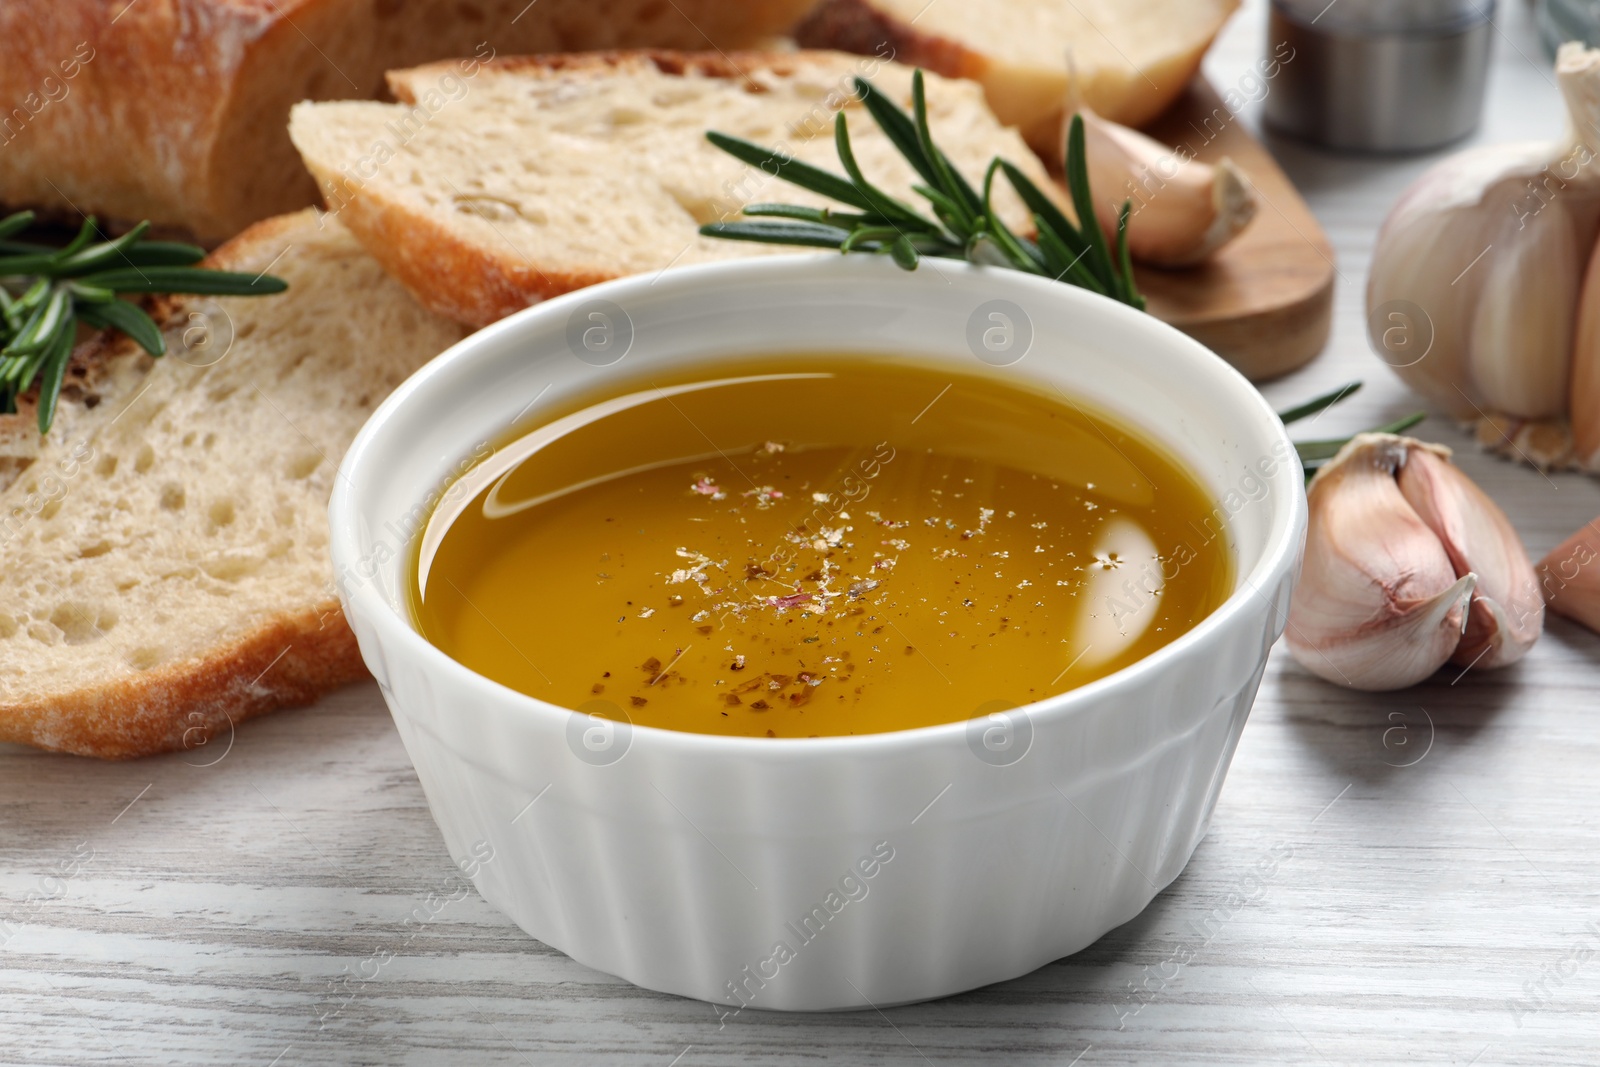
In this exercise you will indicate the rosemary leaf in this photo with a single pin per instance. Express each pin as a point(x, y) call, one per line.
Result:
point(820, 215)
point(24, 248)
point(34, 295)
point(196, 280)
point(877, 199)
point(26, 263)
point(1048, 215)
point(1022, 257)
point(866, 235)
point(50, 344)
point(26, 367)
point(90, 294)
point(86, 233)
point(1401, 425)
point(899, 129)
point(1319, 404)
point(904, 252)
point(782, 165)
point(950, 179)
point(1318, 451)
point(15, 224)
point(1083, 203)
point(952, 214)
point(41, 325)
point(984, 250)
point(1125, 259)
point(1072, 270)
point(100, 255)
point(1315, 453)
point(55, 369)
point(778, 233)
point(162, 254)
point(131, 319)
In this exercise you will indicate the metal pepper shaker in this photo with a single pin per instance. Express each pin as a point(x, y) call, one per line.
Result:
point(1379, 75)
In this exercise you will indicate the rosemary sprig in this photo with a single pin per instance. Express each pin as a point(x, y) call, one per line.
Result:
point(46, 292)
point(1313, 454)
point(963, 223)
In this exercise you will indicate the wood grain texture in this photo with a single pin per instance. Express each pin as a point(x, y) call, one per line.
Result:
point(1265, 301)
point(1408, 907)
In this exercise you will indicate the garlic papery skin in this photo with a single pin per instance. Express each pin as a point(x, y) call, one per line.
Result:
point(1379, 605)
point(1183, 210)
point(1583, 405)
point(1569, 577)
point(1481, 262)
point(1506, 615)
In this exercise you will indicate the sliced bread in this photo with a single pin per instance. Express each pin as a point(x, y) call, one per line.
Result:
point(1129, 60)
point(557, 172)
point(167, 570)
point(175, 111)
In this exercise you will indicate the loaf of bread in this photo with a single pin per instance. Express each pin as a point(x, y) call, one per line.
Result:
point(557, 172)
point(166, 547)
point(1127, 60)
point(174, 110)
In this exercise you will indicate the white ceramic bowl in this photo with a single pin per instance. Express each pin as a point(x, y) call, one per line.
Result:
point(889, 868)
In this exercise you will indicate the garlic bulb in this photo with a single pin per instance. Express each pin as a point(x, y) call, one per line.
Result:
point(1569, 577)
point(1474, 291)
point(1408, 566)
point(1183, 210)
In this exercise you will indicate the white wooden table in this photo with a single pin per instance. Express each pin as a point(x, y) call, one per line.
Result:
point(1434, 894)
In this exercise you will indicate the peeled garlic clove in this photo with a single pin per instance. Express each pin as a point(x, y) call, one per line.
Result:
point(1583, 401)
point(1183, 210)
point(1506, 615)
point(1379, 605)
point(1569, 577)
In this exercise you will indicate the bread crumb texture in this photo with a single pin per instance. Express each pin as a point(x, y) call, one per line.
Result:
point(166, 546)
point(540, 175)
point(1127, 61)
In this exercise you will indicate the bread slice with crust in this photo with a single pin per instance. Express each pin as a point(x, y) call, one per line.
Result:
point(166, 546)
point(556, 172)
point(1127, 61)
point(174, 110)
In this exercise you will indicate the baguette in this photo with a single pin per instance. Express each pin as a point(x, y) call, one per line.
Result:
point(556, 172)
point(174, 110)
point(166, 547)
point(1128, 61)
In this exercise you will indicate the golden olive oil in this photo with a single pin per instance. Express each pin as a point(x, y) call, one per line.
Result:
point(814, 547)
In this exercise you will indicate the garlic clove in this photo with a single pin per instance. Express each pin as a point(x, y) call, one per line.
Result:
point(1418, 322)
point(1569, 577)
point(1183, 210)
point(1520, 347)
point(1379, 605)
point(1583, 399)
point(1582, 89)
point(1506, 615)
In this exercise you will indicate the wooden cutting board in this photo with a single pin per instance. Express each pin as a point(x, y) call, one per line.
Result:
point(1265, 302)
